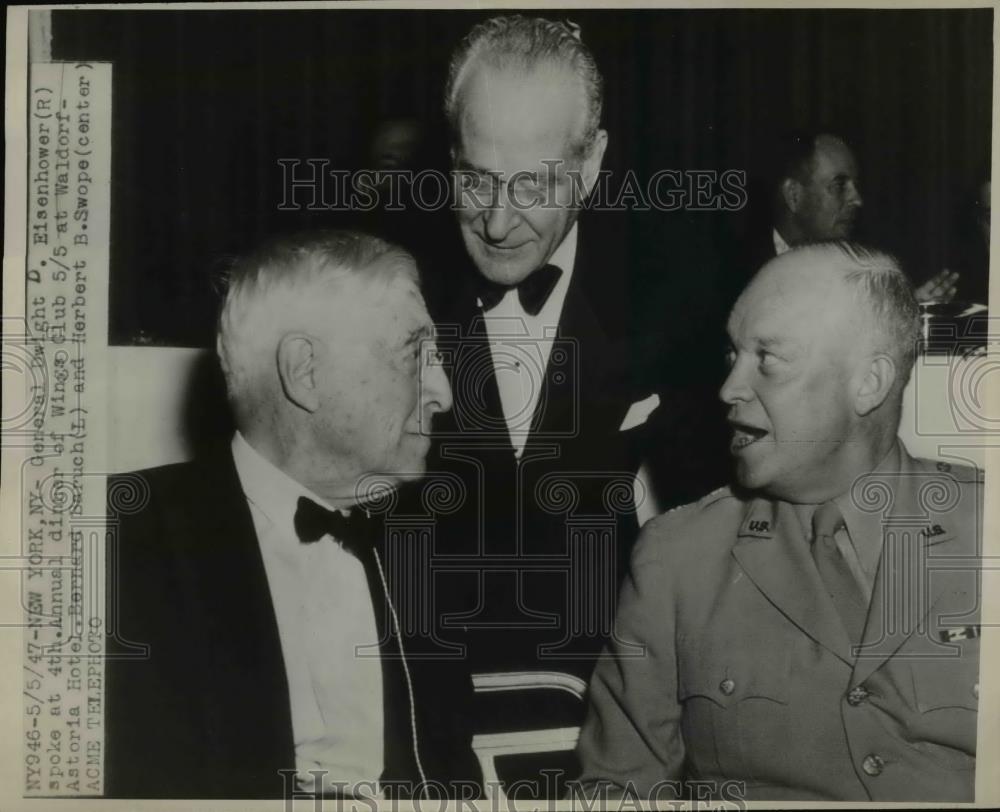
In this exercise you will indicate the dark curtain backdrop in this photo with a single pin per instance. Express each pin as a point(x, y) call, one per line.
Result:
point(206, 103)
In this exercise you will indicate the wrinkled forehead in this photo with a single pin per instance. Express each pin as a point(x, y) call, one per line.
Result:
point(394, 284)
point(520, 116)
point(833, 157)
point(386, 292)
point(796, 297)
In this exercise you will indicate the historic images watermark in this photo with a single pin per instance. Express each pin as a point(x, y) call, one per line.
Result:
point(311, 184)
point(466, 796)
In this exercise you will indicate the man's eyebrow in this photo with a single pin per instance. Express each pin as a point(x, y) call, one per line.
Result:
point(419, 334)
point(773, 342)
point(463, 165)
point(525, 175)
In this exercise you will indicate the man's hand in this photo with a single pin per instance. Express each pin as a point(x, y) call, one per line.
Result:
point(939, 288)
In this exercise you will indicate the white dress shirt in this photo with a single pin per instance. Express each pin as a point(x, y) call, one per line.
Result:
point(521, 345)
point(780, 246)
point(326, 624)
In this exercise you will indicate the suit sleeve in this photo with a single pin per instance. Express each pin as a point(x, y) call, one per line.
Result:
point(631, 740)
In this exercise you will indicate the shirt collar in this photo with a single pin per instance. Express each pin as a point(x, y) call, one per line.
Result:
point(564, 257)
point(864, 527)
point(269, 488)
point(780, 245)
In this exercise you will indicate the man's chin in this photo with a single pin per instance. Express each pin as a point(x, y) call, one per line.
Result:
point(501, 270)
point(506, 274)
point(749, 477)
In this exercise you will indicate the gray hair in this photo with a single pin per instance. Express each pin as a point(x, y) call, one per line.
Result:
point(880, 286)
point(524, 43)
point(267, 290)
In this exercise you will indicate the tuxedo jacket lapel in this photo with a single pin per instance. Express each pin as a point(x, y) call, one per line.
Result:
point(249, 710)
point(578, 355)
point(477, 413)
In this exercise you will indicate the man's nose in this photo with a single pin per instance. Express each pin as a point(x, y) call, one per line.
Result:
point(436, 391)
point(500, 218)
point(854, 196)
point(735, 388)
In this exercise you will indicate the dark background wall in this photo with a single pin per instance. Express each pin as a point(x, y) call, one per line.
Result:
point(206, 103)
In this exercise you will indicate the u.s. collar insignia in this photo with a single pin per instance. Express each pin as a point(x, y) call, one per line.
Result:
point(756, 527)
point(959, 633)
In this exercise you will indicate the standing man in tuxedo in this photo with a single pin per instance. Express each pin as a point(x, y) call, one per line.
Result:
point(258, 651)
point(550, 401)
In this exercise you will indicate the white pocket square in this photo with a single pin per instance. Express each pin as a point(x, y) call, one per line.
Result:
point(638, 412)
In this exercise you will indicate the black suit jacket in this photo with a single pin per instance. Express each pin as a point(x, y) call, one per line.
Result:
point(197, 696)
point(545, 540)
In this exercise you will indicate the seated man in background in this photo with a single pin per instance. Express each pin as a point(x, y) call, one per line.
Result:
point(258, 652)
point(780, 658)
point(817, 192)
point(815, 188)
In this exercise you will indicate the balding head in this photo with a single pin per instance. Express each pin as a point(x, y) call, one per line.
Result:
point(881, 301)
point(823, 344)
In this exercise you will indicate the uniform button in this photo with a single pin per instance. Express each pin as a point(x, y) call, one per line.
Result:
point(975, 690)
point(857, 695)
point(872, 765)
point(727, 686)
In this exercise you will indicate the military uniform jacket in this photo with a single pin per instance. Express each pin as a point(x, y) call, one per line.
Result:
point(730, 663)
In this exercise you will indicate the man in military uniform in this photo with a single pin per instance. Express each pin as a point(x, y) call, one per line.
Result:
point(811, 633)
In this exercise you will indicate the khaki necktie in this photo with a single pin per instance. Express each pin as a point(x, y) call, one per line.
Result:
point(840, 584)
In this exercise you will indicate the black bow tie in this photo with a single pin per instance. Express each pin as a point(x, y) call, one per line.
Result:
point(533, 291)
point(312, 522)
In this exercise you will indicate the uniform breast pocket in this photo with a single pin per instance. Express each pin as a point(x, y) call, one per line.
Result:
point(946, 691)
point(735, 701)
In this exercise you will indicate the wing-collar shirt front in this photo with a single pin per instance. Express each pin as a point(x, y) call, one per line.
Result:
point(521, 344)
point(329, 638)
point(780, 246)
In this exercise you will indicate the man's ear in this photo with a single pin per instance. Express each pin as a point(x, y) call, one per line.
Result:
point(296, 358)
point(791, 193)
point(592, 163)
point(875, 385)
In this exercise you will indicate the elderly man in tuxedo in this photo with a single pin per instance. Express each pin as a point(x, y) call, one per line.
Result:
point(552, 401)
point(812, 632)
point(258, 650)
